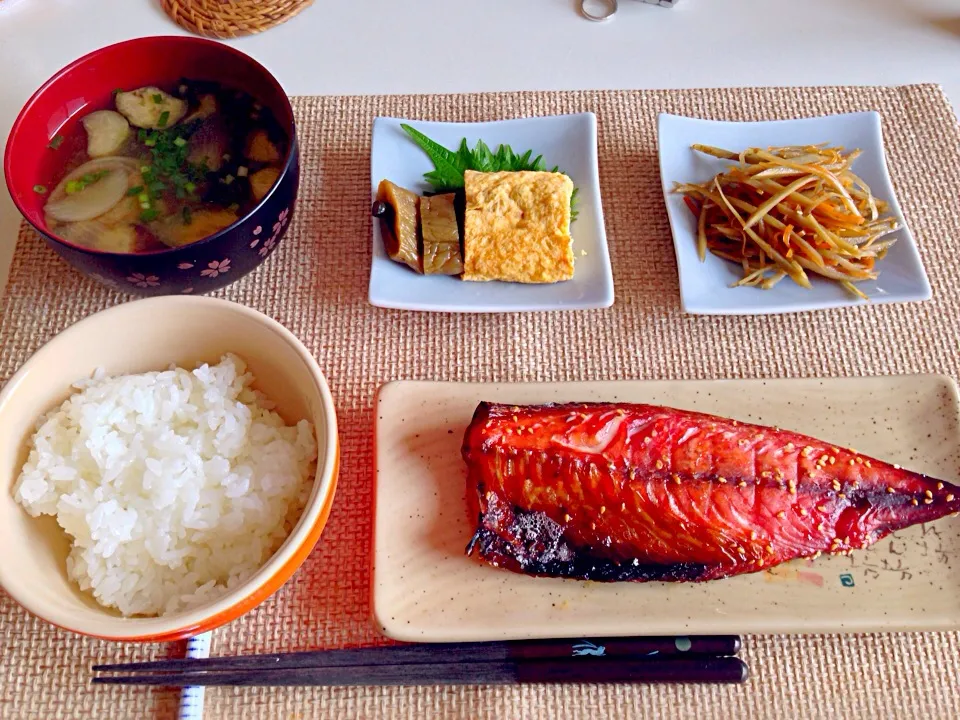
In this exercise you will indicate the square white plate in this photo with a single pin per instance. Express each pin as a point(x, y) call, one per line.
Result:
point(705, 286)
point(567, 141)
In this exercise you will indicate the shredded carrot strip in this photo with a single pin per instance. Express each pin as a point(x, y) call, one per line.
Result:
point(834, 214)
point(787, 232)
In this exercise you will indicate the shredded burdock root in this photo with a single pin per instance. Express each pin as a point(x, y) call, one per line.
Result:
point(789, 211)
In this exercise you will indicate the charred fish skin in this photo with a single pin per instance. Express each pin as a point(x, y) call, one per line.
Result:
point(614, 491)
point(533, 544)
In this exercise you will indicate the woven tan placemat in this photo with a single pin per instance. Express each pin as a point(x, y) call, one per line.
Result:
point(316, 284)
point(230, 18)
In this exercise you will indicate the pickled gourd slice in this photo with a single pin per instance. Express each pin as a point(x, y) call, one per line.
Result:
point(441, 236)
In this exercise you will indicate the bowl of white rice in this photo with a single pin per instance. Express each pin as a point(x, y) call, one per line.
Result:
point(166, 465)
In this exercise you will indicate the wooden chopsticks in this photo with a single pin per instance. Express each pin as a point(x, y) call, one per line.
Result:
point(694, 659)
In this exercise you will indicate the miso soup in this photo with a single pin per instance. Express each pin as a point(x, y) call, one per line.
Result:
point(165, 167)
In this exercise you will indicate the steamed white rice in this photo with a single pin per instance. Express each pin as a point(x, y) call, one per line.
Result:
point(174, 486)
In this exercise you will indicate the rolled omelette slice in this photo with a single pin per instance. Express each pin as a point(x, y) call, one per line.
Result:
point(517, 227)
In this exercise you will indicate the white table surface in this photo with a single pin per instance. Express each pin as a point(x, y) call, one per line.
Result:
point(395, 46)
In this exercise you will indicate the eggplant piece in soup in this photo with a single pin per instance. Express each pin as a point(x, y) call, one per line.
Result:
point(107, 131)
point(150, 108)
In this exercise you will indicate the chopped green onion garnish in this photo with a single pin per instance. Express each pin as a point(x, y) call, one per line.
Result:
point(55, 142)
point(135, 191)
point(87, 179)
point(40, 189)
point(179, 142)
point(228, 179)
point(117, 90)
point(164, 116)
point(189, 187)
point(148, 215)
point(157, 98)
point(73, 186)
point(150, 142)
point(156, 186)
point(143, 197)
point(233, 207)
point(144, 168)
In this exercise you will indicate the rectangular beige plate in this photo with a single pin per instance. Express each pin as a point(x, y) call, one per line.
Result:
point(426, 589)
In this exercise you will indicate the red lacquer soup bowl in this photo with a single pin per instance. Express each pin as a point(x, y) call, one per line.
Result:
point(34, 160)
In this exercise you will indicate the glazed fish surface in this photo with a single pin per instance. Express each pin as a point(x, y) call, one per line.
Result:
point(613, 491)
